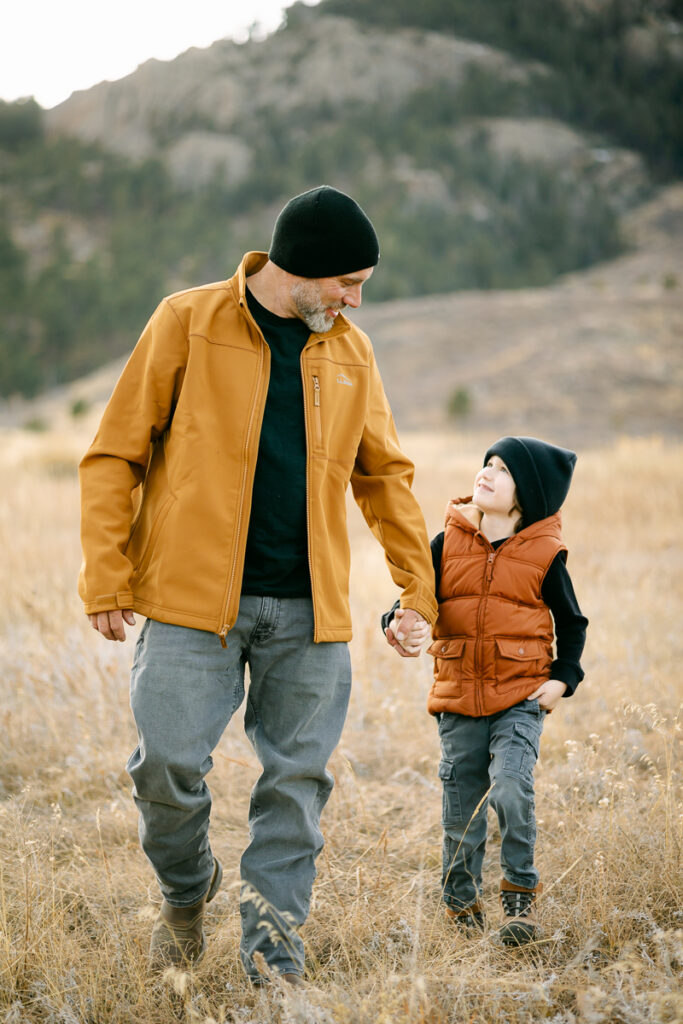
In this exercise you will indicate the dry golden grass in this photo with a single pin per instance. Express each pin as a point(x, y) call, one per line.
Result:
point(77, 897)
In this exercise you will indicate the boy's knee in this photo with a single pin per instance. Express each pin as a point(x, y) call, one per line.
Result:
point(512, 795)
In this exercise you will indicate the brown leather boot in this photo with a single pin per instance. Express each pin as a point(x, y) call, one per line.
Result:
point(519, 912)
point(469, 920)
point(292, 979)
point(178, 936)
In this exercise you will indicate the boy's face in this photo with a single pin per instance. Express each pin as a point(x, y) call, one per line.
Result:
point(494, 488)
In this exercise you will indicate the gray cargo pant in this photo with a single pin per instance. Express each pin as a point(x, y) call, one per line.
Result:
point(495, 754)
point(185, 687)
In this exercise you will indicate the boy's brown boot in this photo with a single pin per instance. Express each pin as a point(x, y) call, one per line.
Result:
point(519, 912)
point(469, 920)
point(178, 936)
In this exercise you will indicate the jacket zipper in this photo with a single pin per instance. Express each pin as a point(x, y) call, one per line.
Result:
point(223, 632)
point(478, 660)
point(316, 405)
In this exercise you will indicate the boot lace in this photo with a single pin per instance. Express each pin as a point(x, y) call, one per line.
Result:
point(516, 904)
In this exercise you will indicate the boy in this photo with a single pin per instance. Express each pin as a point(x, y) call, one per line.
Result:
point(501, 583)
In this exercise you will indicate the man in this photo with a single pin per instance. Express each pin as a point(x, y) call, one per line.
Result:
point(214, 504)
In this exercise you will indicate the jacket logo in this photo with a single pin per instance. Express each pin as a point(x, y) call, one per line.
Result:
point(342, 379)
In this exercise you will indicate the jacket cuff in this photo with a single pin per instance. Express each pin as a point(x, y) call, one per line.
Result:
point(421, 600)
point(109, 602)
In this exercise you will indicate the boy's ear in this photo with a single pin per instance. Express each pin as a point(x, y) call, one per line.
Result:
point(520, 515)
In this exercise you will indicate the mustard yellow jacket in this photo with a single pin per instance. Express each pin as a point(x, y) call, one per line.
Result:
point(166, 484)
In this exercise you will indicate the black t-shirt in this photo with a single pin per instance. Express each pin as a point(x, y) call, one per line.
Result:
point(276, 560)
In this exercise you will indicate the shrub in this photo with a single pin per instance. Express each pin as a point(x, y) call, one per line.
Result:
point(459, 404)
point(79, 407)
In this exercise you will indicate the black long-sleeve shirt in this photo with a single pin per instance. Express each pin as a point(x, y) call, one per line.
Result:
point(558, 593)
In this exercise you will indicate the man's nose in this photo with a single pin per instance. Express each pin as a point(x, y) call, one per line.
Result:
point(352, 296)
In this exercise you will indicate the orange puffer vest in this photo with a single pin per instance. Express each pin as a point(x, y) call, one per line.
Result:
point(493, 639)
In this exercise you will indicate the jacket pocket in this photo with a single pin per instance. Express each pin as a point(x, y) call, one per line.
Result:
point(336, 408)
point(448, 657)
point(317, 415)
point(519, 658)
point(148, 550)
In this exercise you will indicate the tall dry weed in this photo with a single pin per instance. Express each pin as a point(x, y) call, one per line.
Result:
point(77, 898)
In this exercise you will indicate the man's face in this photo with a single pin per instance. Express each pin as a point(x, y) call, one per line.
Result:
point(318, 300)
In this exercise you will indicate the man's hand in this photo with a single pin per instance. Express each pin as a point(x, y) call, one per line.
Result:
point(407, 632)
point(549, 694)
point(110, 624)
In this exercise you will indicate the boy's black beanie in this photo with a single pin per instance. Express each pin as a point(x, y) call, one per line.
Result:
point(542, 473)
point(323, 233)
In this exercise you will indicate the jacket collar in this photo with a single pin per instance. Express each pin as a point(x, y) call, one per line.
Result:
point(253, 261)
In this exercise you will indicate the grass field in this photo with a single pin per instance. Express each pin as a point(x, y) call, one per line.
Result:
point(77, 897)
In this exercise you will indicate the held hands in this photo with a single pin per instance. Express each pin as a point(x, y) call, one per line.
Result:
point(110, 624)
point(407, 632)
point(549, 694)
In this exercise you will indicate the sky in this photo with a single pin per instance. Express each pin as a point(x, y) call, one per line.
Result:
point(50, 48)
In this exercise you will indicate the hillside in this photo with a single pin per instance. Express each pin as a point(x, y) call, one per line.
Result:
point(598, 354)
point(206, 99)
point(595, 356)
point(468, 151)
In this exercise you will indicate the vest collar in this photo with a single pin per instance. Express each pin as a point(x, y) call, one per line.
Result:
point(465, 513)
point(468, 516)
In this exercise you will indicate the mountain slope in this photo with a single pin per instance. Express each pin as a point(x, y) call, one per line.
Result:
point(596, 355)
point(327, 65)
point(136, 188)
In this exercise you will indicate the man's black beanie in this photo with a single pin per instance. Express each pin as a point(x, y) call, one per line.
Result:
point(542, 473)
point(323, 233)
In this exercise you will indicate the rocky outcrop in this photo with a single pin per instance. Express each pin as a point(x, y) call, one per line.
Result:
point(192, 110)
point(197, 157)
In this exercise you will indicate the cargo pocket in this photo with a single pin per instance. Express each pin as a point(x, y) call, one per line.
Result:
point(522, 751)
point(451, 812)
point(518, 658)
point(448, 657)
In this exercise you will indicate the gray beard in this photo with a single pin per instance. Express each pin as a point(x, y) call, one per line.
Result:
point(306, 296)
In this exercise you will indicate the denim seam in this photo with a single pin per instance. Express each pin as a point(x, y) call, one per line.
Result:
point(238, 689)
point(262, 631)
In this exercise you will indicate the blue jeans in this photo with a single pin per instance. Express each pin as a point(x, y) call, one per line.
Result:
point(185, 687)
point(496, 752)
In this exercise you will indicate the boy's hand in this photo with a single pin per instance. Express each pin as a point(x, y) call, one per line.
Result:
point(549, 694)
point(407, 632)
